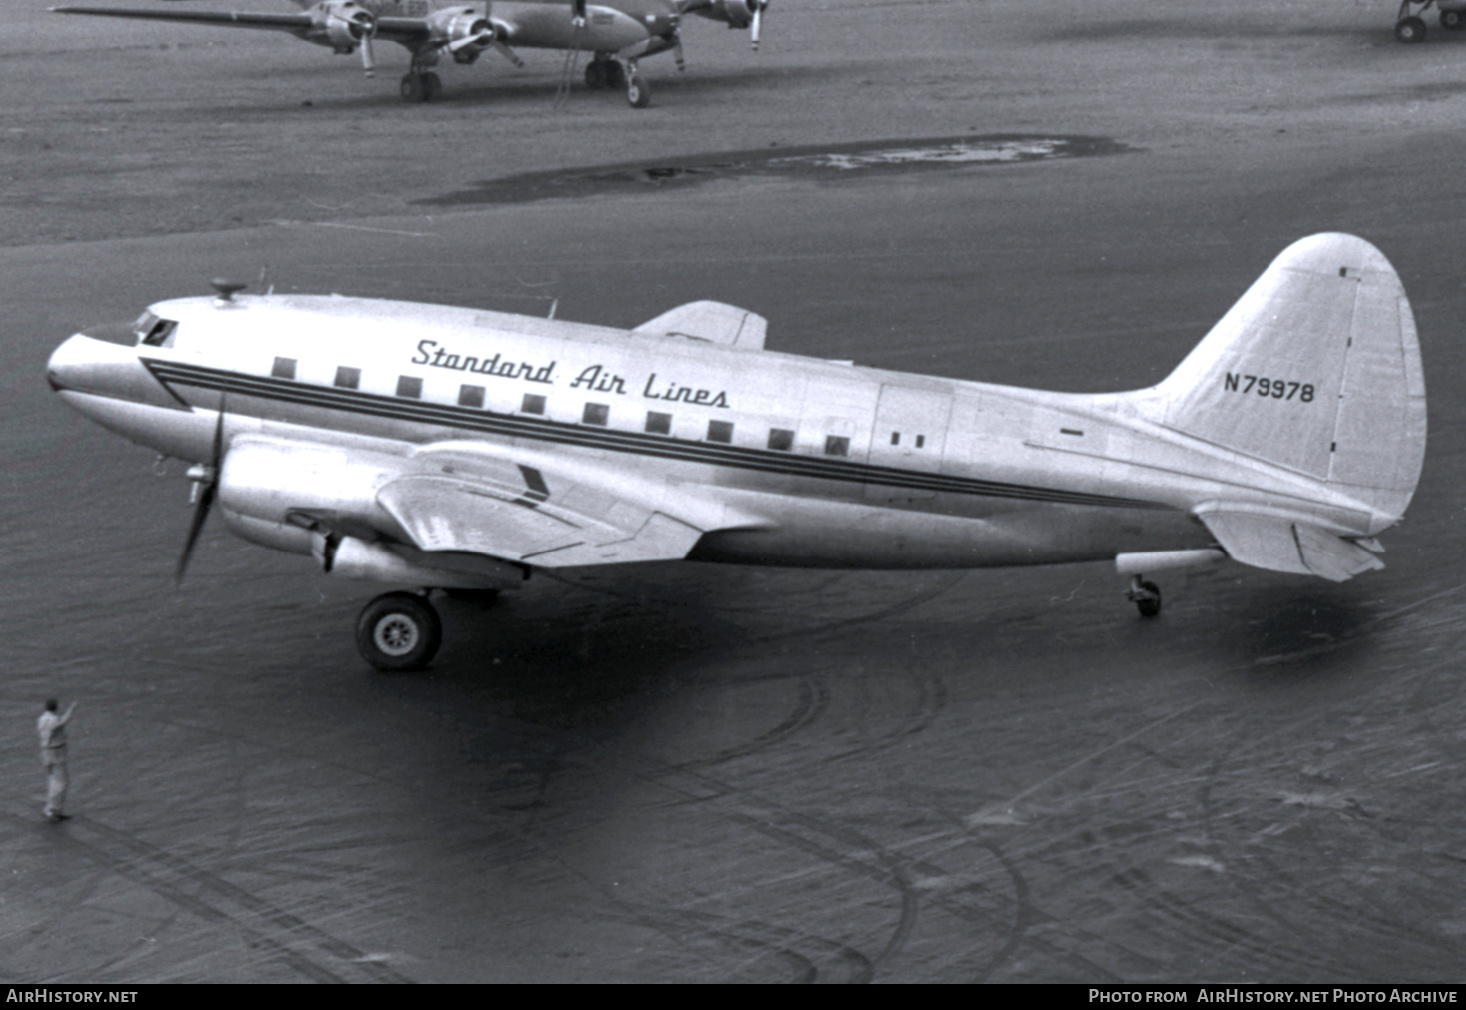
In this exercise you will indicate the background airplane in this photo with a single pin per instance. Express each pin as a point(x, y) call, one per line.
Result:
point(617, 33)
point(455, 448)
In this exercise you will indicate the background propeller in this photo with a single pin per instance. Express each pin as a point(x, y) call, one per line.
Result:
point(205, 479)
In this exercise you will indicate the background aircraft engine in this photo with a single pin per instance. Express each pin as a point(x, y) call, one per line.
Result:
point(342, 25)
point(466, 31)
point(737, 13)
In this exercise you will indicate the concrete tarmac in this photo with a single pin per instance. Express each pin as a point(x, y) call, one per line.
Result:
point(692, 772)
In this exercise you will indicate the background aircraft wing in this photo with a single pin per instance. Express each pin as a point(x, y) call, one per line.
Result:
point(536, 513)
point(301, 24)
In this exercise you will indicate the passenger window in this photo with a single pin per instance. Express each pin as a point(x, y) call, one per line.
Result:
point(658, 423)
point(596, 413)
point(409, 386)
point(837, 445)
point(533, 404)
point(720, 431)
point(895, 438)
point(781, 439)
point(284, 368)
point(920, 441)
point(348, 378)
point(470, 396)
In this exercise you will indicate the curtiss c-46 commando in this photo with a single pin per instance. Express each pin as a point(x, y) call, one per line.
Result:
point(453, 448)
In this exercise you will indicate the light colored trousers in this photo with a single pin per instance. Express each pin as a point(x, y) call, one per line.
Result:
point(56, 783)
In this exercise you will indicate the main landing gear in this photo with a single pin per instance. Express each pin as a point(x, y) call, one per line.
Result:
point(420, 87)
point(1411, 27)
point(399, 632)
point(1145, 595)
point(606, 72)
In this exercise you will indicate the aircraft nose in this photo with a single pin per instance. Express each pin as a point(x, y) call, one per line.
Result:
point(85, 364)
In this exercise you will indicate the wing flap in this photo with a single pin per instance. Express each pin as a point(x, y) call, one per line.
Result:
point(1285, 544)
point(713, 322)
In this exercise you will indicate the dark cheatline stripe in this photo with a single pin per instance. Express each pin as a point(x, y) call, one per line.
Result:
point(659, 446)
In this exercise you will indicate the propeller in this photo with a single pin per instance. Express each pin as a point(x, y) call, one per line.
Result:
point(205, 488)
point(758, 17)
point(368, 60)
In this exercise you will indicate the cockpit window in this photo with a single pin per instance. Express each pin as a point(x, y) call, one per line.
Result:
point(159, 333)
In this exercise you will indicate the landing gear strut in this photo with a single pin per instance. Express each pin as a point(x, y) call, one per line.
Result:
point(607, 72)
point(399, 632)
point(1146, 596)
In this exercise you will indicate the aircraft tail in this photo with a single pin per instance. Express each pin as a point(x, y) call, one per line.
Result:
point(1316, 369)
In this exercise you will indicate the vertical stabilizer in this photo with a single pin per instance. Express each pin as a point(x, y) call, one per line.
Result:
point(1316, 369)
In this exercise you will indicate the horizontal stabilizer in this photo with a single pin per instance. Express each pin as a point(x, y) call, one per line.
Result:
point(713, 322)
point(1283, 544)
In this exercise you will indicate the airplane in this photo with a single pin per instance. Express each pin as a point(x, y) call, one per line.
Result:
point(460, 449)
point(1411, 27)
point(617, 33)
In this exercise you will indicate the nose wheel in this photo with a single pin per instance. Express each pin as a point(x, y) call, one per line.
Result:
point(1146, 596)
point(399, 632)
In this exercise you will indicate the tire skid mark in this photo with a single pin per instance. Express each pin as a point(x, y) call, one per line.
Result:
point(931, 698)
point(1213, 930)
point(814, 698)
point(812, 958)
point(287, 937)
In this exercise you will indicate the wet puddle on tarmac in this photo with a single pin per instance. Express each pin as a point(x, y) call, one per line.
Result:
point(840, 161)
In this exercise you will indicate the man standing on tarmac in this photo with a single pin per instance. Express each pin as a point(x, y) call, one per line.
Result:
point(52, 728)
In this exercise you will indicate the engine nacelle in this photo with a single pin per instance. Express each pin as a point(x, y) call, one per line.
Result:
point(284, 483)
point(341, 24)
point(464, 31)
point(322, 501)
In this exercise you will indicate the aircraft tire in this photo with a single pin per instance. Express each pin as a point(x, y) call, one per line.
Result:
point(1410, 30)
point(1453, 20)
point(615, 75)
point(637, 92)
point(432, 87)
point(1150, 605)
point(412, 88)
point(595, 74)
point(399, 632)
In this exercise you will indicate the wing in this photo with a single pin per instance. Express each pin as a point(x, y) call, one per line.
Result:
point(543, 511)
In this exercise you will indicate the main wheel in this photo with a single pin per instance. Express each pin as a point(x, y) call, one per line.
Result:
point(432, 86)
point(399, 632)
point(1410, 30)
point(1454, 20)
point(1150, 604)
point(637, 92)
point(595, 74)
point(412, 88)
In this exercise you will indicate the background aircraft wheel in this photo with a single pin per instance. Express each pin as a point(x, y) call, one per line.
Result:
point(399, 632)
point(595, 74)
point(615, 75)
point(412, 88)
point(1410, 30)
point(432, 87)
point(1454, 20)
point(1149, 605)
point(637, 93)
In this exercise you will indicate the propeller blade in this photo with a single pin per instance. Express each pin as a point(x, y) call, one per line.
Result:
point(368, 60)
point(677, 53)
point(508, 54)
point(207, 488)
point(758, 16)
